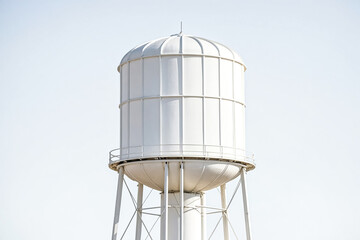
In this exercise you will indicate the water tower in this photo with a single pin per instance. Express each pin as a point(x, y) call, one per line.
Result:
point(182, 121)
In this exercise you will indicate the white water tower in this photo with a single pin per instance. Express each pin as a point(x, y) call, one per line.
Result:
point(182, 121)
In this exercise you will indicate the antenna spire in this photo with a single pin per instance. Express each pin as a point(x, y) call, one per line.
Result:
point(180, 27)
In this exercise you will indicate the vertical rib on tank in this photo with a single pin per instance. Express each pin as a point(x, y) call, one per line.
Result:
point(182, 97)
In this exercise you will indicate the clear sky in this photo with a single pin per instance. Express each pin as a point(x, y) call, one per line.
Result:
point(59, 92)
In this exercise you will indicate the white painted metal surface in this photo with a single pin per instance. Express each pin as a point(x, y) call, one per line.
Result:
point(182, 96)
point(181, 194)
point(192, 217)
point(224, 215)
point(139, 211)
point(118, 203)
point(203, 216)
point(199, 175)
point(246, 204)
point(182, 121)
point(165, 206)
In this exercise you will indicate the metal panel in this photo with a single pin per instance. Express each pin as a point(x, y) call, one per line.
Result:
point(227, 128)
point(124, 126)
point(191, 46)
point(135, 79)
point(170, 120)
point(151, 76)
point(135, 124)
point(225, 52)
point(242, 84)
point(208, 48)
point(238, 83)
point(152, 126)
point(192, 76)
point(226, 86)
point(212, 136)
point(124, 82)
point(240, 126)
point(153, 47)
point(172, 45)
point(193, 121)
point(211, 75)
point(170, 70)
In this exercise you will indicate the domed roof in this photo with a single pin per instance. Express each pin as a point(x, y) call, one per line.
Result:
point(182, 45)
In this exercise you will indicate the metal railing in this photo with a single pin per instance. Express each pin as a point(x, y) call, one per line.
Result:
point(180, 150)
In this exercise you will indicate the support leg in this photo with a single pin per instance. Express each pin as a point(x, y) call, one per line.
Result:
point(181, 201)
point(139, 211)
point(246, 204)
point(224, 217)
point(118, 203)
point(203, 217)
point(166, 201)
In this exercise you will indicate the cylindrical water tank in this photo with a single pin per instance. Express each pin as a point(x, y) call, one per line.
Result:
point(182, 97)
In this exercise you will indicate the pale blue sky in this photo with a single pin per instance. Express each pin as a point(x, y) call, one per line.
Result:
point(59, 92)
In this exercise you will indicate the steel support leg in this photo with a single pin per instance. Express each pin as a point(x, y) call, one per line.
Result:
point(118, 203)
point(203, 217)
point(139, 211)
point(246, 204)
point(181, 201)
point(166, 201)
point(224, 217)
